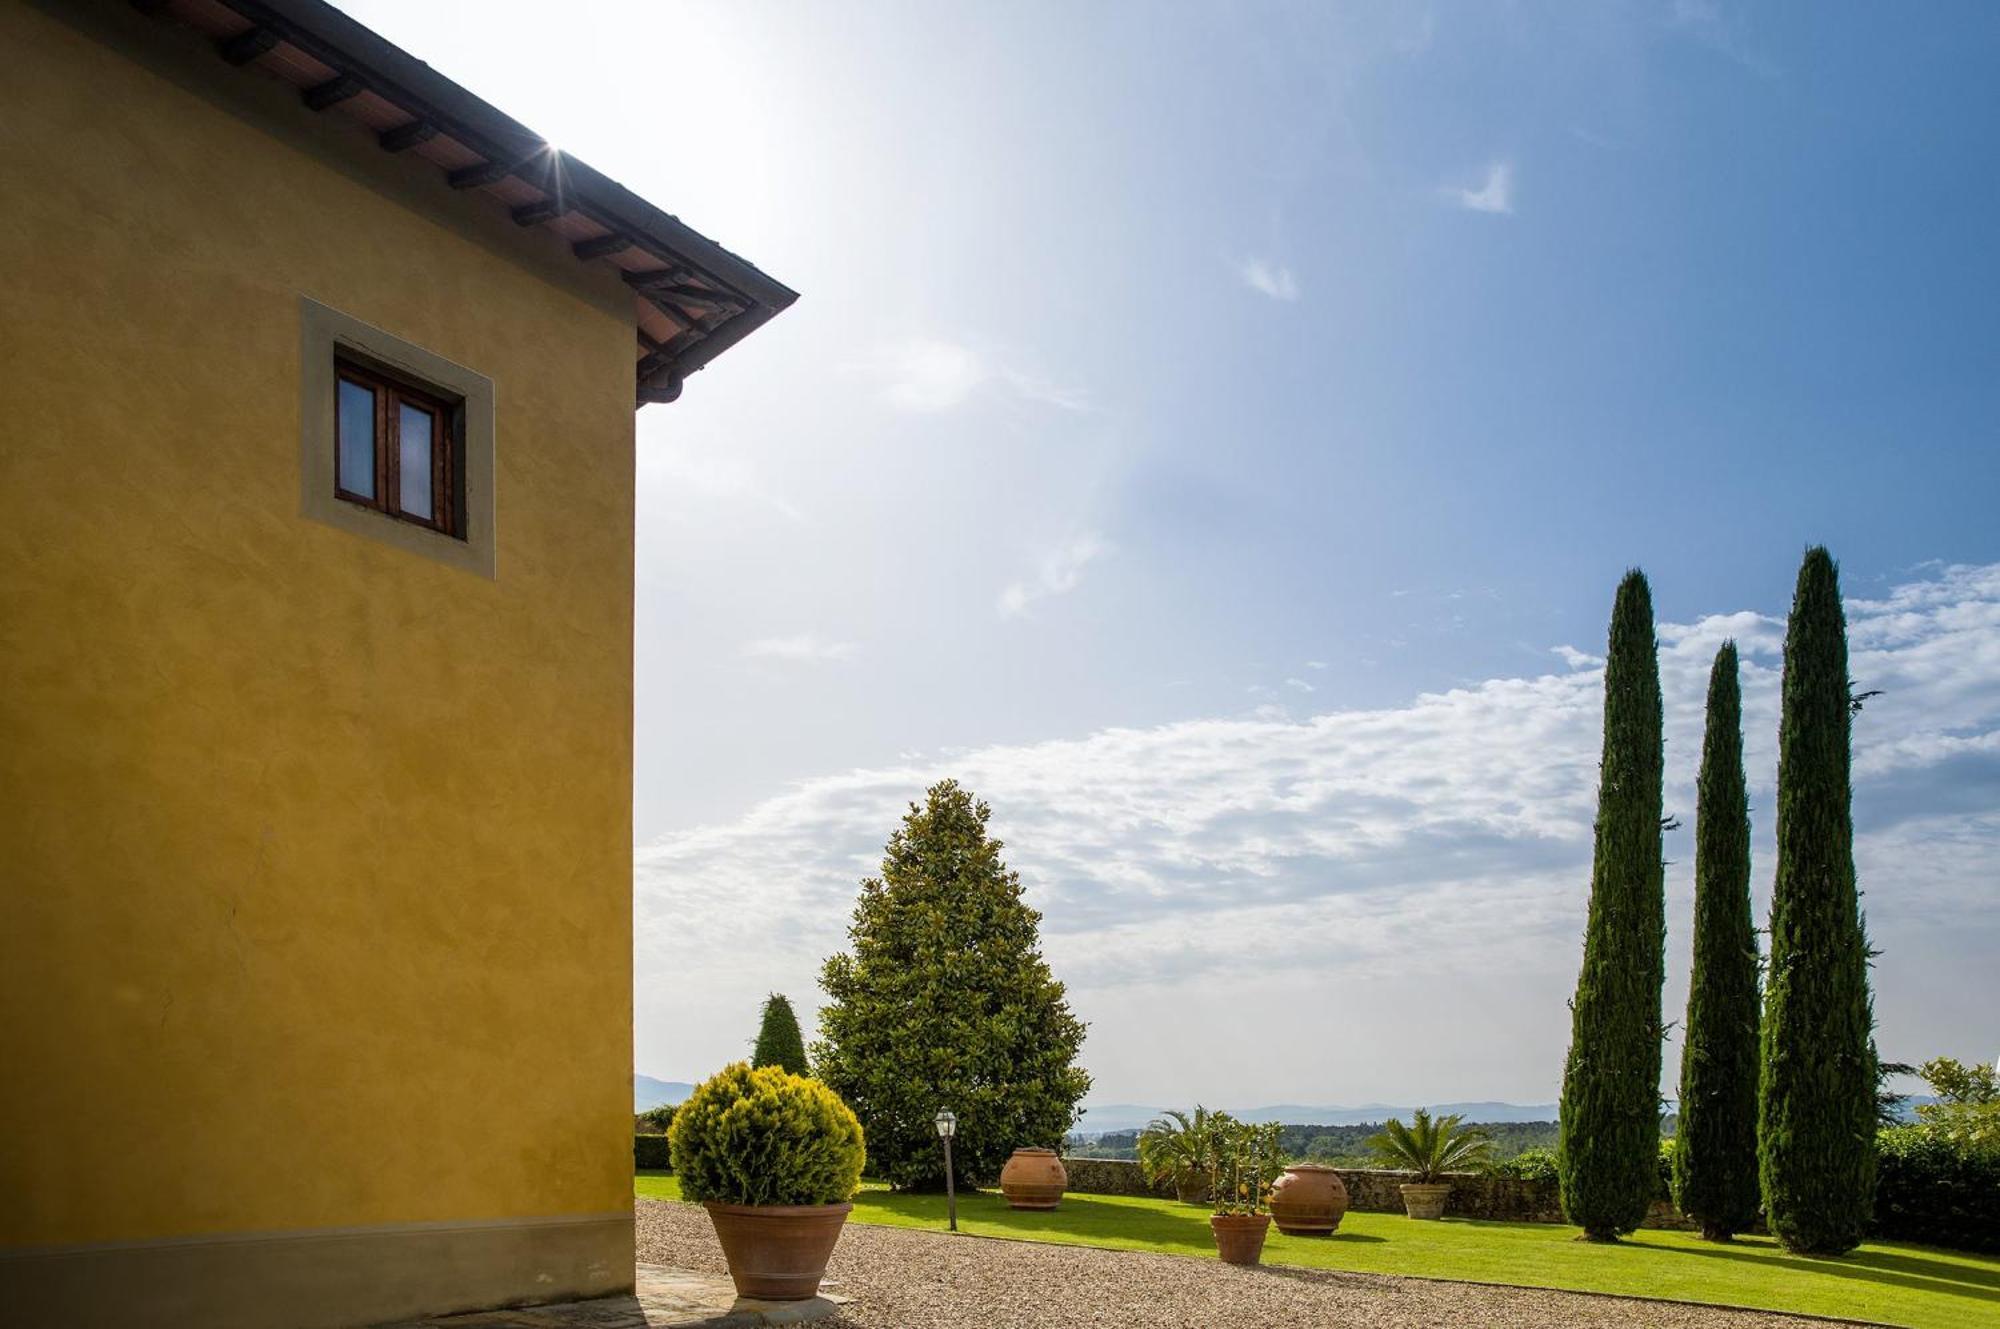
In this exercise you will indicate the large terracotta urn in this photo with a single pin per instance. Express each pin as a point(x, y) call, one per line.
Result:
point(1239, 1238)
point(777, 1252)
point(1193, 1187)
point(1308, 1201)
point(1033, 1179)
point(1425, 1200)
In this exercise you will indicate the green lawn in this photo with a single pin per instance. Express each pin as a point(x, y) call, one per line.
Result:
point(1889, 1283)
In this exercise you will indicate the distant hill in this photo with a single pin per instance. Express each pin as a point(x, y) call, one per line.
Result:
point(650, 1093)
point(1102, 1117)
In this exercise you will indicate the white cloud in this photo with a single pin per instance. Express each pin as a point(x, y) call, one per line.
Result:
point(927, 376)
point(1496, 195)
point(1267, 278)
point(1315, 664)
point(1437, 850)
point(1058, 573)
point(803, 647)
point(1576, 659)
point(1299, 685)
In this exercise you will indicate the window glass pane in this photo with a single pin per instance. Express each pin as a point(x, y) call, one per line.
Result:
point(356, 416)
point(415, 428)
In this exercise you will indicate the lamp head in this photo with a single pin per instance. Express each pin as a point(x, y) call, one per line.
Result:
point(947, 1124)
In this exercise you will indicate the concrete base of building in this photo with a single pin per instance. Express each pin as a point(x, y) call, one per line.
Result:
point(664, 1298)
point(334, 1278)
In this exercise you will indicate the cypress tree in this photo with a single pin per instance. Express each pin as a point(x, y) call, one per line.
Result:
point(1610, 1116)
point(1816, 1102)
point(779, 1042)
point(1715, 1153)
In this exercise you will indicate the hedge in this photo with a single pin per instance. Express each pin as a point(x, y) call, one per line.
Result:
point(1932, 1190)
point(651, 1151)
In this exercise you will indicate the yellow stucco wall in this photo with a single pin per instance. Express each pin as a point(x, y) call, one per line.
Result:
point(314, 856)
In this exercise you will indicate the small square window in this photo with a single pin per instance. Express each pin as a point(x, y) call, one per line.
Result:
point(398, 447)
point(395, 441)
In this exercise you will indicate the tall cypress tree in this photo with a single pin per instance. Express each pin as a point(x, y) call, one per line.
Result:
point(1610, 1116)
point(1715, 1154)
point(779, 1042)
point(1816, 1104)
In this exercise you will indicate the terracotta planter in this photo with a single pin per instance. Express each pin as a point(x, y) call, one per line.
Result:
point(1033, 1179)
point(777, 1252)
point(1193, 1187)
point(1423, 1201)
point(1239, 1238)
point(1308, 1201)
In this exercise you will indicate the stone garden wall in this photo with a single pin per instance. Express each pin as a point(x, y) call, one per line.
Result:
point(1110, 1176)
point(1373, 1190)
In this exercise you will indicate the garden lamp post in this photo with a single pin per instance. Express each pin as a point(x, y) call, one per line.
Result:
point(947, 1126)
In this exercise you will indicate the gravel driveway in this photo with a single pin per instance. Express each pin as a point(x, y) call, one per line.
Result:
point(903, 1279)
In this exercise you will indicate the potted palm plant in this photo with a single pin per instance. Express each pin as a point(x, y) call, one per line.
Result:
point(774, 1157)
point(1180, 1151)
point(1248, 1161)
point(1430, 1148)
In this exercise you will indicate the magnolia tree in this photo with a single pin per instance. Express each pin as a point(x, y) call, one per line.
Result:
point(945, 1002)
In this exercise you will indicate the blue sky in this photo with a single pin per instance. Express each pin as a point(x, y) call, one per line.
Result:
point(1184, 398)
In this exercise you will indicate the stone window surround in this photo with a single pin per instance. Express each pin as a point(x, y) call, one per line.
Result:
point(324, 332)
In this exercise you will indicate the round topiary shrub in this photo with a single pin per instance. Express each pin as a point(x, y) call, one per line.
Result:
point(766, 1136)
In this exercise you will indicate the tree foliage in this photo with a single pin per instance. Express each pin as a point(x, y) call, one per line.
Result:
point(1248, 1161)
point(1967, 1111)
point(779, 1042)
point(1715, 1161)
point(1816, 1100)
point(945, 1002)
point(1610, 1113)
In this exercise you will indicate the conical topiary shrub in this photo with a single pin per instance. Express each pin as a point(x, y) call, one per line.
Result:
point(1610, 1114)
point(779, 1042)
point(1816, 1102)
point(1715, 1153)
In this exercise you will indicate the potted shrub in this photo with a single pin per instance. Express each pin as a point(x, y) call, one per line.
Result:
point(774, 1158)
point(1248, 1162)
point(1430, 1148)
point(1180, 1151)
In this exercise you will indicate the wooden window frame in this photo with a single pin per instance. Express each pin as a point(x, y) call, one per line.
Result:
point(329, 337)
point(391, 392)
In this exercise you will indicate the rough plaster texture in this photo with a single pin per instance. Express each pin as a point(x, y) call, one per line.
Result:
point(316, 910)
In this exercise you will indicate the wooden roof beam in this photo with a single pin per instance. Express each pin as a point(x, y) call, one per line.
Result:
point(334, 91)
point(702, 294)
point(543, 210)
point(247, 45)
point(404, 137)
point(485, 173)
point(668, 276)
point(602, 246)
